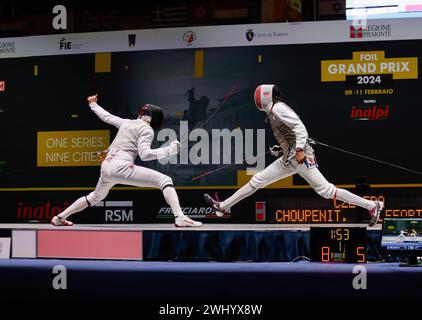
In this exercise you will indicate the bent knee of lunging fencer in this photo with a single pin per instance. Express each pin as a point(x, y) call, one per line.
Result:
point(164, 182)
point(94, 197)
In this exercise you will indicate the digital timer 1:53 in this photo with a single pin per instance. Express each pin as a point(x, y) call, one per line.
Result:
point(338, 244)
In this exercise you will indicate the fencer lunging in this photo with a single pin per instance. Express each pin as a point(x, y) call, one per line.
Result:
point(133, 138)
point(298, 157)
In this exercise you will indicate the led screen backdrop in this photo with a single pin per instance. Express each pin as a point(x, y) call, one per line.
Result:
point(378, 119)
point(357, 95)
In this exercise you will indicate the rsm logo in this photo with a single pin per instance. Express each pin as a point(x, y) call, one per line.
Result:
point(117, 211)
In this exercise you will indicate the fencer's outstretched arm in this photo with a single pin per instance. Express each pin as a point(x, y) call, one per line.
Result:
point(144, 147)
point(103, 114)
point(292, 120)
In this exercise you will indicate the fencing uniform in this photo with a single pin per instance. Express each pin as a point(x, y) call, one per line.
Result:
point(292, 136)
point(133, 138)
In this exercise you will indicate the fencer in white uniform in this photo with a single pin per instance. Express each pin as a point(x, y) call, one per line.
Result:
point(298, 157)
point(133, 138)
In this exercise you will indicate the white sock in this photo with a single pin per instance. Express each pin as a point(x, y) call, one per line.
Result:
point(173, 201)
point(77, 206)
point(346, 196)
point(239, 195)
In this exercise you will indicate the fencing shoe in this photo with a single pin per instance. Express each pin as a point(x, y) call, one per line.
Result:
point(184, 221)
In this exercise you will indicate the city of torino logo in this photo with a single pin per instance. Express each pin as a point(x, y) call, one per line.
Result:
point(369, 63)
point(249, 35)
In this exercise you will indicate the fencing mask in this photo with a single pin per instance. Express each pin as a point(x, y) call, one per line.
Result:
point(154, 112)
point(265, 95)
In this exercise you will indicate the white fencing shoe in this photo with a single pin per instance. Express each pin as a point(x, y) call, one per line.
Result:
point(184, 221)
point(60, 222)
point(376, 212)
point(220, 212)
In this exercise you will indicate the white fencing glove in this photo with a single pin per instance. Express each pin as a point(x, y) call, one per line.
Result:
point(173, 148)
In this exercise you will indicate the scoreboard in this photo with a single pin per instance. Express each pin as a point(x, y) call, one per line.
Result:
point(338, 244)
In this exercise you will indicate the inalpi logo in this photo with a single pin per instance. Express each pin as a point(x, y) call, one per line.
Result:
point(43, 211)
point(370, 111)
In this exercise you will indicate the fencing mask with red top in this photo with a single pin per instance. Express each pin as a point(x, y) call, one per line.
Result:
point(264, 96)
